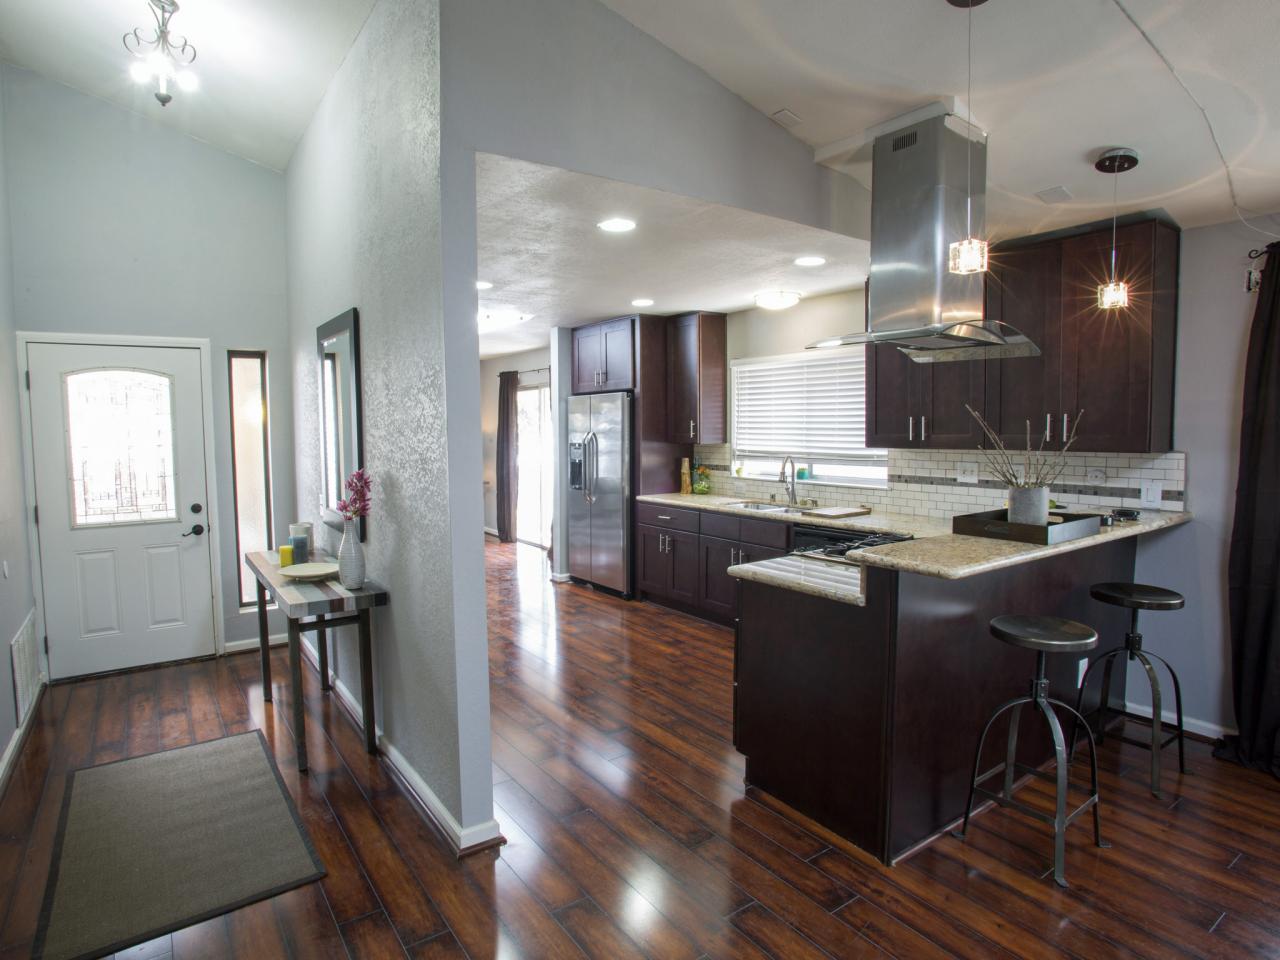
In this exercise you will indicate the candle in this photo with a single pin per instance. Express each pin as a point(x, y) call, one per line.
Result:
point(300, 548)
point(286, 555)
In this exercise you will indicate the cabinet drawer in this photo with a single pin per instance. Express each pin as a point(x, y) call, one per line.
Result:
point(670, 518)
point(764, 533)
point(721, 525)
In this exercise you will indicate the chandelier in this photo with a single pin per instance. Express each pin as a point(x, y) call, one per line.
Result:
point(160, 57)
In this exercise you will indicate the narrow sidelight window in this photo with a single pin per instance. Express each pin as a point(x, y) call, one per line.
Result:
point(251, 459)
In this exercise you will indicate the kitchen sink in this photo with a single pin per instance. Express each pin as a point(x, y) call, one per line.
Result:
point(766, 507)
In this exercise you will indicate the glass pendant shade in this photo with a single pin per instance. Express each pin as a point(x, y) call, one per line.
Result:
point(1114, 295)
point(968, 256)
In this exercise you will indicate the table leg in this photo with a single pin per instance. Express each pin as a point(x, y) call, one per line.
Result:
point(322, 654)
point(264, 642)
point(296, 695)
point(366, 683)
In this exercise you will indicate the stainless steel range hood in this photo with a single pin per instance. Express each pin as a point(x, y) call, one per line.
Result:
point(919, 193)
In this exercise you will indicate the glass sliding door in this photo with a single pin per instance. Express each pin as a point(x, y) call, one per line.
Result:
point(535, 465)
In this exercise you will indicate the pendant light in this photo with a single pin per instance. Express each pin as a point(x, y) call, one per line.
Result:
point(1114, 294)
point(970, 254)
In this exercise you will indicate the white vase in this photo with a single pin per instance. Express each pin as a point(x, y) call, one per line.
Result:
point(351, 557)
point(1029, 505)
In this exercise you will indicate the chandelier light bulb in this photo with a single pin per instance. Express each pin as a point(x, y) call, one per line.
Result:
point(188, 82)
point(1113, 296)
point(161, 56)
point(140, 72)
point(968, 256)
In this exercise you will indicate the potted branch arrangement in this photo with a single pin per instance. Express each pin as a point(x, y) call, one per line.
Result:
point(350, 553)
point(1028, 474)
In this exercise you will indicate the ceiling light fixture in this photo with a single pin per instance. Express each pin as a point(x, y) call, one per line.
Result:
point(617, 225)
point(642, 302)
point(1115, 293)
point(970, 254)
point(777, 299)
point(810, 261)
point(483, 285)
point(160, 57)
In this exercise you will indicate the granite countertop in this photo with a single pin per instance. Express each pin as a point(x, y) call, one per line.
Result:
point(874, 522)
point(822, 578)
point(954, 557)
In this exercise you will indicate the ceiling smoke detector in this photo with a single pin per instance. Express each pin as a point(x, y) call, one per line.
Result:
point(1058, 194)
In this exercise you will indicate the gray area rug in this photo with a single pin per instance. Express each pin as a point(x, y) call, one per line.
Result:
point(153, 844)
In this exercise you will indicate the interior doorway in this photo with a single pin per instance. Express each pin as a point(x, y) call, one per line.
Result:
point(535, 464)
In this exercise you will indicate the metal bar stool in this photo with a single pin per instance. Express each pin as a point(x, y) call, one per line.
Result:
point(1137, 597)
point(1044, 635)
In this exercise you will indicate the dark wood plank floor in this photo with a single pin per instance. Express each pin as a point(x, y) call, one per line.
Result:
point(629, 832)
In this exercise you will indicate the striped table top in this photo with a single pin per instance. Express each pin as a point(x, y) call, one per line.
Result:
point(299, 598)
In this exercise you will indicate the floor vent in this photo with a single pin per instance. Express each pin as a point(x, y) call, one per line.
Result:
point(26, 666)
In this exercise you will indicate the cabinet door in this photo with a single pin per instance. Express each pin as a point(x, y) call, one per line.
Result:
point(943, 422)
point(653, 564)
point(1024, 289)
point(682, 379)
point(717, 591)
point(616, 351)
point(682, 555)
point(710, 420)
point(588, 358)
point(893, 383)
point(1106, 355)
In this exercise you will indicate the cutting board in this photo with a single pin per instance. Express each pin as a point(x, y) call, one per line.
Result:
point(835, 513)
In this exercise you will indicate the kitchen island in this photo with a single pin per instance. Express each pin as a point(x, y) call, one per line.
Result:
point(860, 690)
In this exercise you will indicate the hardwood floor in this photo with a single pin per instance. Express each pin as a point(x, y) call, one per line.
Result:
point(629, 832)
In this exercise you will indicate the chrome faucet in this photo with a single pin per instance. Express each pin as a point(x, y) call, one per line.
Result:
point(788, 481)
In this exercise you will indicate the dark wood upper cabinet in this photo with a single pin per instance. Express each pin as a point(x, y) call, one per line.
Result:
point(604, 356)
point(697, 370)
point(1115, 365)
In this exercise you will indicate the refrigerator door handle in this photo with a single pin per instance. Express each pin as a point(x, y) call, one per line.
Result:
point(593, 468)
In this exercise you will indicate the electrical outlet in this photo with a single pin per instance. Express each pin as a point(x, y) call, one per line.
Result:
point(1152, 493)
point(966, 473)
point(1096, 476)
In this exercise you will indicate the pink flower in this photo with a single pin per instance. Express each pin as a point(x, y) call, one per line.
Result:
point(358, 502)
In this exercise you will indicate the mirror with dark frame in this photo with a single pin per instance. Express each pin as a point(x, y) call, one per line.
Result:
point(341, 413)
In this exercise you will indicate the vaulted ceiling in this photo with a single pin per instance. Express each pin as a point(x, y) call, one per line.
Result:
point(263, 65)
point(1054, 81)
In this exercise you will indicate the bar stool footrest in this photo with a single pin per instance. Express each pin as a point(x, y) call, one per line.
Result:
point(1003, 801)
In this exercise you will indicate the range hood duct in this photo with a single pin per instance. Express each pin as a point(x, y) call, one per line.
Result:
point(919, 205)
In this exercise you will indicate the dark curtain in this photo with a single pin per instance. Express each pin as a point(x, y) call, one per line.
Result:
point(1253, 576)
point(508, 384)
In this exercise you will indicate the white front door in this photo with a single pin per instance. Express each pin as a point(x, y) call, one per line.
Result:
point(118, 441)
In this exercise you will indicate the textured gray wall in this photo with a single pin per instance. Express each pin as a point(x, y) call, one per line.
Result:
point(1214, 316)
point(124, 226)
point(16, 600)
point(364, 231)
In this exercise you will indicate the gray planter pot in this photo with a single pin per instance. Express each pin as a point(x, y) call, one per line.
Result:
point(1029, 505)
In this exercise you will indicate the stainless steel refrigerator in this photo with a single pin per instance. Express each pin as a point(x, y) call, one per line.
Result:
point(599, 526)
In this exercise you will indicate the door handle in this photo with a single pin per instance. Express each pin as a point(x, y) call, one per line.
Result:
point(590, 466)
point(197, 507)
point(924, 435)
point(196, 530)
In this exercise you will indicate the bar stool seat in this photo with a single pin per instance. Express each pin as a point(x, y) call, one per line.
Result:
point(1044, 635)
point(1137, 597)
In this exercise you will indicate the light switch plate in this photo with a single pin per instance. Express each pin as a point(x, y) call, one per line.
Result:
point(1096, 476)
point(1152, 492)
point(966, 473)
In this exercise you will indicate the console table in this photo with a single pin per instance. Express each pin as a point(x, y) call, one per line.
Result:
point(315, 605)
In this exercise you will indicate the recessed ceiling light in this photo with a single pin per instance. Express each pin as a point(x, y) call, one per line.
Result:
point(483, 285)
point(642, 302)
point(810, 261)
point(617, 225)
point(777, 299)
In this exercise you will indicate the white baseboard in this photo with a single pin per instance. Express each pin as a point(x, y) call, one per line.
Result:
point(19, 735)
point(239, 646)
point(462, 838)
point(561, 578)
point(491, 532)
point(1190, 724)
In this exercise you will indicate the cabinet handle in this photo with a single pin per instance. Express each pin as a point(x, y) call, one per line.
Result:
point(1048, 427)
point(1066, 421)
point(742, 557)
point(732, 561)
point(923, 432)
point(663, 516)
point(911, 429)
point(690, 429)
point(662, 545)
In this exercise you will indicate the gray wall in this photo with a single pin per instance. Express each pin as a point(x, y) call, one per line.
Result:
point(1214, 316)
point(364, 231)
point(16, 600)
point(769, 333)
point(123, 226)
point(489, 370)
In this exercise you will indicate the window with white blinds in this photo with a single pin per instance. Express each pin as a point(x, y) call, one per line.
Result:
point(811, 407)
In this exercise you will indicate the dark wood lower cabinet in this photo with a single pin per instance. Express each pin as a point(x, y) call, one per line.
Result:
point(667, 564)
point(719, 590)
point(682, 551)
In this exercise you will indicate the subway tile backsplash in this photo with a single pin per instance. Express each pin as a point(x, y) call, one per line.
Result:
point(922, 482)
